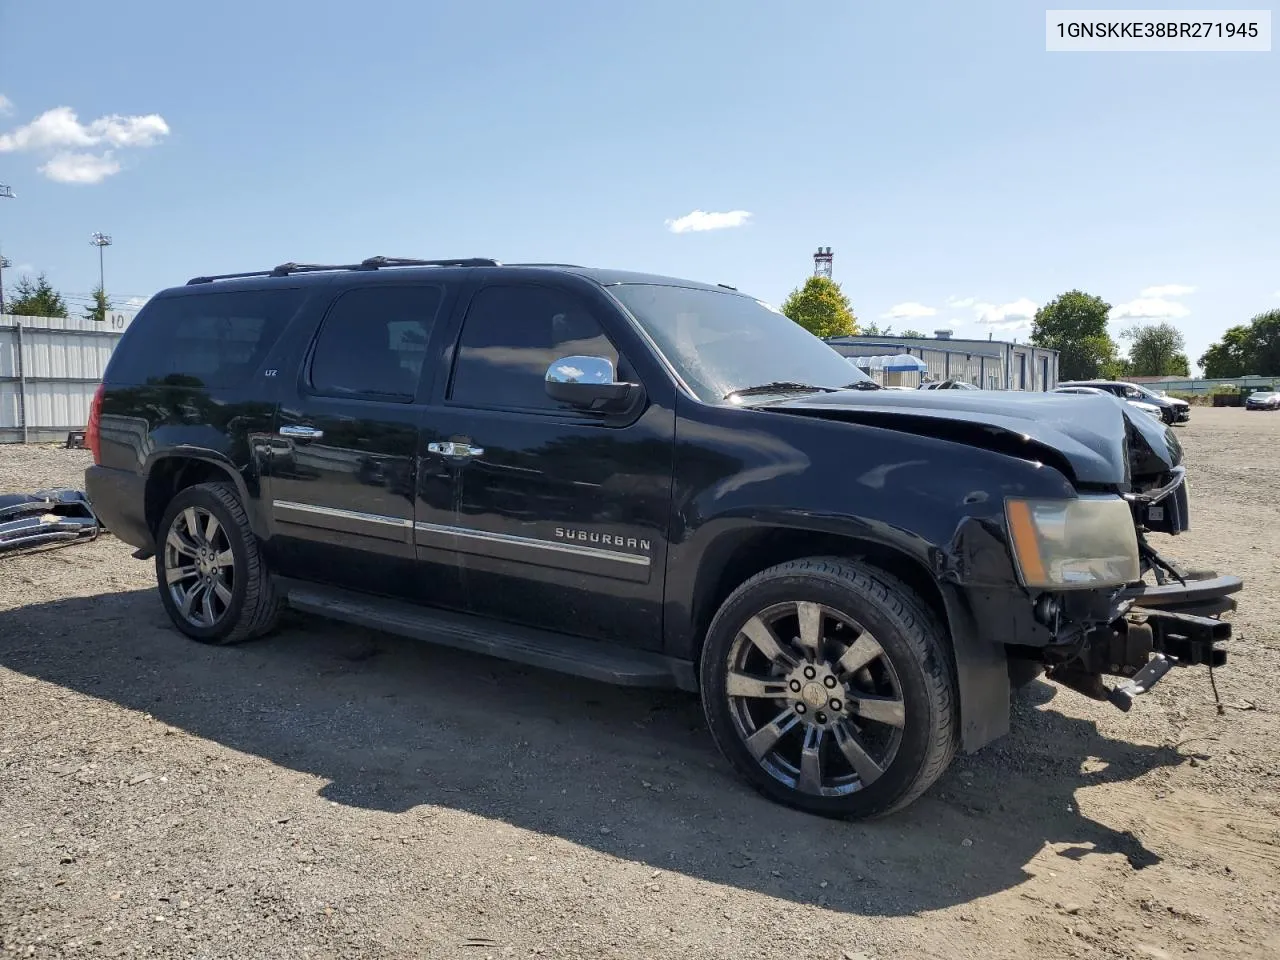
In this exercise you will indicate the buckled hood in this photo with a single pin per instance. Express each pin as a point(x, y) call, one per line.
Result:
point(1096, 439)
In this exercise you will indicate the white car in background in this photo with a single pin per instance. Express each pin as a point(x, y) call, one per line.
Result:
point(1150, 409)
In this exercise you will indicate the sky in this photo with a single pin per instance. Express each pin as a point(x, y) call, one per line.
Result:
point(961, 174)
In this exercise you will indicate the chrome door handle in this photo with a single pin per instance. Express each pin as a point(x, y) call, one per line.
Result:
point(451, 449)
point(301, 432)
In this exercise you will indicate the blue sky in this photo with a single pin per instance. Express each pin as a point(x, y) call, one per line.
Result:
point(950, 162)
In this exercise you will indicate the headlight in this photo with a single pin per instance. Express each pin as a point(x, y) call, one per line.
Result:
point(1065, 544)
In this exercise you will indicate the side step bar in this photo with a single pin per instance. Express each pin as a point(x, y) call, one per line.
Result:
point(594, 660)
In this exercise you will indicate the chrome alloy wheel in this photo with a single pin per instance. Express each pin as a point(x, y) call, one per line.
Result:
point(199, 567)
point(815, 699)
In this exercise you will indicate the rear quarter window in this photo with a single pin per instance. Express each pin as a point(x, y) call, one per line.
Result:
point(215, 339)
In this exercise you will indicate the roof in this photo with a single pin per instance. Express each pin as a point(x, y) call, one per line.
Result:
point(402, 268)
point(884, 342)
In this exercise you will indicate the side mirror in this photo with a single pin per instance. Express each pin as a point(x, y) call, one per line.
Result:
point(588, 382)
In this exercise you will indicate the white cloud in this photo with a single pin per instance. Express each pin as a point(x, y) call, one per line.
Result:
point(908, 311)
point(59, 134)
point(1015, 315)
point(6, 105)
point(135, 301)
point(1167, 290)
point(69, 167)
point(961, 302)
point(1149, 308)
point(700, 220)
point(59, 128)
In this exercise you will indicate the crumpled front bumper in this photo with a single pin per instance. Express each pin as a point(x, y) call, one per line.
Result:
point(46, 516)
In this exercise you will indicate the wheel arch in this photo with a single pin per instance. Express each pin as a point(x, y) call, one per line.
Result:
point(171, 472)
point(979, 664)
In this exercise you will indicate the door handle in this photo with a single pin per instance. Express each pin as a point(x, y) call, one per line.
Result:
point(450, 448)
point(300, 432)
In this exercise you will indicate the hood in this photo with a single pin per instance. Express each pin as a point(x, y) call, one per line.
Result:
point(1094, 439)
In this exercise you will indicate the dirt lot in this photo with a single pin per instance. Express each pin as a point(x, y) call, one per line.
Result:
point(331, 792)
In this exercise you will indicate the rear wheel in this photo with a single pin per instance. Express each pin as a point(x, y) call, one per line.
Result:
point(828, 685)
point(213, 582)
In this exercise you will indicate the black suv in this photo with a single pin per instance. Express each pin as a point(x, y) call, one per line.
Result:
point(1172, 410)
point(647, 481)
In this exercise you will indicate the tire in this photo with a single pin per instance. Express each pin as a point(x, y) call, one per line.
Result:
point(243, 602)
point(910, 681)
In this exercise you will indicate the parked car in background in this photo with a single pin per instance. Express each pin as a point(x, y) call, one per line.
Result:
point(1263, 400)
point(1172, 410)
point(1148, 408)
point(948, 385)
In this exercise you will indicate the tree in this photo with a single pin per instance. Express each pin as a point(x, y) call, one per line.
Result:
point(1157, 350)
point(101, 306)
point(821, 308)
point(1226, 358)
point(1075, 324)
point(911, 333)
point(36, 298)
point(1247, 349)
point(874, 329)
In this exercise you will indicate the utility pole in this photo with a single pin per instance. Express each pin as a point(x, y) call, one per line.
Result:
point(6, 193)
point(101, 241)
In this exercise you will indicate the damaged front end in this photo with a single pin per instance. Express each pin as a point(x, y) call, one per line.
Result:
point(1169, 617)
point(44, 517)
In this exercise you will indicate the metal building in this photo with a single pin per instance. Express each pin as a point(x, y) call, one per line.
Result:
point(989, 364)
point(49, 369)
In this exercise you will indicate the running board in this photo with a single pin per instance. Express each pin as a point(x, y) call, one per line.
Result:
point(594, 660)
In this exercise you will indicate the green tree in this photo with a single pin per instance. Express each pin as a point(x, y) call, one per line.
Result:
point(821, 308)
point(911, 333)
point(1226, 358)
point(101, 307)
point(1156, 350)
point(36, 298)
point(1075, 324)
point(1247, 349)
point(874, 329)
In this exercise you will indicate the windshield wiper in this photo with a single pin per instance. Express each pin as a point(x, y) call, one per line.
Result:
point(778, 386)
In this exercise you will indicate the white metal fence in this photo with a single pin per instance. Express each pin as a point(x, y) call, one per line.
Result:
point(49, 369)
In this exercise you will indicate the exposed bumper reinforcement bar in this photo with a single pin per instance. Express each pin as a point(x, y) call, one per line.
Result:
point(1159, 631)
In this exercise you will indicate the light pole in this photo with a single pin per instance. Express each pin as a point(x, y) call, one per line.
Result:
point(101, 241)
point(6, 193)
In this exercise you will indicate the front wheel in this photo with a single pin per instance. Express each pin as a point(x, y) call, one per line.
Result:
point(828, 685)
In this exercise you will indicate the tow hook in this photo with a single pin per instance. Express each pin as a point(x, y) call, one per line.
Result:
point(1123, 694)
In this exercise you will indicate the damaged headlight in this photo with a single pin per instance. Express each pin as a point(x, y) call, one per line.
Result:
point(1064, 544)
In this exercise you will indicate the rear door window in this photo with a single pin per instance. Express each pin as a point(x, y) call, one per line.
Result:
point(216, 339)
point(373, 342)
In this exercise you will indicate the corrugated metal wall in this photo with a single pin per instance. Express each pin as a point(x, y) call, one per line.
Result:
point(47, 386)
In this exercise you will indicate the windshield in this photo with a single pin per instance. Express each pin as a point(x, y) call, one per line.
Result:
point(723, 342)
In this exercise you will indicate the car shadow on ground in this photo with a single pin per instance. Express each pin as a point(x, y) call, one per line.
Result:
point(391, 724)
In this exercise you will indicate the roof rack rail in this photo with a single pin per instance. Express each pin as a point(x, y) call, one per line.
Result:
point(373, 263)
point(370, 263)
point(576, 266)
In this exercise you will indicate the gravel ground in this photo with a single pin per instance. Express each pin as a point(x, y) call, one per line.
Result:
point(332, 792)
